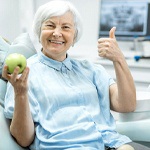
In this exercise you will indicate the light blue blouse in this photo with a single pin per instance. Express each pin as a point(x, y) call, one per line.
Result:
point(69, 102)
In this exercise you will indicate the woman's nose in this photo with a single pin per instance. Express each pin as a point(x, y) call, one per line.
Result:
point(57, 33)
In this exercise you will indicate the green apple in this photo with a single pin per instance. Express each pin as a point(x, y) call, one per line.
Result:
point(15, 59)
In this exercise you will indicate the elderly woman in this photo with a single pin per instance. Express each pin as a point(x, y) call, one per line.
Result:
point(62, 103)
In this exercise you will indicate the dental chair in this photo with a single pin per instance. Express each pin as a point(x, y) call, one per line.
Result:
point(135, 125)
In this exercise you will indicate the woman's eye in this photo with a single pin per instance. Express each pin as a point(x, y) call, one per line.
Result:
point(50, 25)
point(66, 27)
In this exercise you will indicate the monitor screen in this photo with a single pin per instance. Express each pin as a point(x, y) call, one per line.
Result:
point(129, 17)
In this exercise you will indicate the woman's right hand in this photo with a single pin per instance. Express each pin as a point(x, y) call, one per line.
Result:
point(19, 82)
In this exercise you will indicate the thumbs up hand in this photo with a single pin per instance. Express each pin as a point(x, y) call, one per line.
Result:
point(108, 47)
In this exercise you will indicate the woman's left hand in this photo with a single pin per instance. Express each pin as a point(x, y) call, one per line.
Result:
point(108, 47)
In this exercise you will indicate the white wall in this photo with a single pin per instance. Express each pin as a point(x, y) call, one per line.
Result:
point(9, 19)
point(15, 17)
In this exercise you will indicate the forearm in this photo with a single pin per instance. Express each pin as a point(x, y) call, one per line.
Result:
point(126, 88)
point(22, 126)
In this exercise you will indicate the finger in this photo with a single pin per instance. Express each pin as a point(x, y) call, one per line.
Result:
point(5, 73)
point(15, 73)
point(101, 45)
point(25, 74)
point(102, 50)
point(104, 45)
point(112, 33)
point(103, 40)
point(102, 53)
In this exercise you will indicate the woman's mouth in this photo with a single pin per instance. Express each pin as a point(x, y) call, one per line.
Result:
point(56, 42)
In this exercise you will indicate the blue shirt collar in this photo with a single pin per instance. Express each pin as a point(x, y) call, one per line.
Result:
point(54, 63)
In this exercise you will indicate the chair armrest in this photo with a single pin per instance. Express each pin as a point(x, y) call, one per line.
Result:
point(136, 124)
point(135, 130)
point(6, 140)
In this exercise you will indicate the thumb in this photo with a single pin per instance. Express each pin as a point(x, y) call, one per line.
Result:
point(112, 33)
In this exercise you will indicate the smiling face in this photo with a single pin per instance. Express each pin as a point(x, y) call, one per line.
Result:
point(57, 35)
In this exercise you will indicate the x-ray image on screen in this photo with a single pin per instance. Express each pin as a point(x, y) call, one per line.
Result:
point(130, 18)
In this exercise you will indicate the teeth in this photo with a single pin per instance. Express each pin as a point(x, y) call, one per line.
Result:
point(56, 42)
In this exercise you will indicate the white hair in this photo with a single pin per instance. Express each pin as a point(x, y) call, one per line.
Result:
point(56, 8)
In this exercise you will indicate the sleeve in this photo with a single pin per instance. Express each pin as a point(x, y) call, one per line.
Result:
point(102, 81)
point(101, 75)
point(9, 104)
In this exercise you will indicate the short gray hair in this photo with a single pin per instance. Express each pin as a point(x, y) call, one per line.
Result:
point(56, 8)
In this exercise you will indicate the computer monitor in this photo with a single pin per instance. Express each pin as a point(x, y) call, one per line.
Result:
point(131, 18)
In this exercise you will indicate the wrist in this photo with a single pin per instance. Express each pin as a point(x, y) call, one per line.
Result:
point(21, 96)
point(119, 59)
